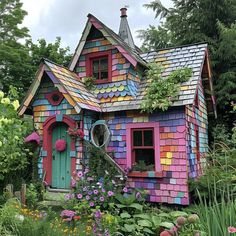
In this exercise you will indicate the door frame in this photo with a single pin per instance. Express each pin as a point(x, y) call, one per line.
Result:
point(48, 126)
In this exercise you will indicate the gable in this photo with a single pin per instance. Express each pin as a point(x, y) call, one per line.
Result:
point(93, 23)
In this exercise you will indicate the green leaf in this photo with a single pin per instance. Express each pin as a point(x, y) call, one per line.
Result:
point(167, 225)
point(125, 215)
point(129, 228)
point(144, 223)
point(178, 213)
point(136, 206)
point(142, 216)
point(147, 230)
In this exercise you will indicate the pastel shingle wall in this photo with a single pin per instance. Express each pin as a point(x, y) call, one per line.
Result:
point(197, 120)
point(172, 187)
point(43, 109)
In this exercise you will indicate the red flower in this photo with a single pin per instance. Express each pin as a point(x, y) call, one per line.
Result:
point(76, 217)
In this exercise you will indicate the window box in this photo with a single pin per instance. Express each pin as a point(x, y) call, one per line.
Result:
point(146, 174)
point(98, 65)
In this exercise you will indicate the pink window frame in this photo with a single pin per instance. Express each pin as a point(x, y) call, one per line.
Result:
point(98, 55)
point(156, 135)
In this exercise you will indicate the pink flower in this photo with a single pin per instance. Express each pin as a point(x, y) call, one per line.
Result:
point(91, 204)
point(125, 189)
point(80, 174)
point(73, 183)
point(110, 193)
point(95, 191)
point(79, 196)
point(231, 229)
point(102, 199)
point(87, 197)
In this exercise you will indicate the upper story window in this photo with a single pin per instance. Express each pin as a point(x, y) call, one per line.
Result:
point(98, 65)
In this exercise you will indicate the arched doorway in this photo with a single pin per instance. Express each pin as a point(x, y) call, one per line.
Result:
point(58, 165)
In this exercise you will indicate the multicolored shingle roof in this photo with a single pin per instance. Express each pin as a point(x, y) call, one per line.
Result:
point(191, 56)
point(68, 83)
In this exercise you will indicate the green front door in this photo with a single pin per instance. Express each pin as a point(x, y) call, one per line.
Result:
point(61, 163)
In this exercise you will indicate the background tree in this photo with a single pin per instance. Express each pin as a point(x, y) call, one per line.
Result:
point(193, 21)
point(19, 56)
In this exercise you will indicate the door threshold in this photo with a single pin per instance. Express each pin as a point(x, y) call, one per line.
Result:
point(58, 190)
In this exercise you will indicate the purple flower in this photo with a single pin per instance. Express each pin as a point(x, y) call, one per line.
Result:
point(68, 213)
point(87, 197)
point(91, 204)
point(73, 183)
point(138, 195)
point(85, 188)
point(90, 179)
point(80, 174)
point(103, 190)
point(102, 199)
point(95, 191)
point(86, 171)
point(125, 189)
point(79, 196)
point(68, 196)
point(90, 192)
point(110, 193)
point(98, 214)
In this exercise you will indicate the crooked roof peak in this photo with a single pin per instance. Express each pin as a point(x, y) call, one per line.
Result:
point(124, 30)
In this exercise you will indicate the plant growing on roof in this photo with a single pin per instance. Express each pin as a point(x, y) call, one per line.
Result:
point(89, 83)
point(162, 90)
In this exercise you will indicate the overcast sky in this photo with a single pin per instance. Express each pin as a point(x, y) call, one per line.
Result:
point(66, 18)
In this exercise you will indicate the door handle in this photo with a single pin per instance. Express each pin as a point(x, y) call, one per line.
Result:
point(68, 172)
point(53, 157)
point(62, 178)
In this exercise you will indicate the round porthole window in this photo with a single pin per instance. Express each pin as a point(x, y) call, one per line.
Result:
point(100, 134)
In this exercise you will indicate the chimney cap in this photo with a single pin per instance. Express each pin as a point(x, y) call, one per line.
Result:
point(123, 11)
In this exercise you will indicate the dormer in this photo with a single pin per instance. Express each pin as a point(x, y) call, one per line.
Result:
point(107, 56)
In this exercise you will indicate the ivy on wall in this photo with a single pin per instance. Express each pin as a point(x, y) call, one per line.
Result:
point(162, 90)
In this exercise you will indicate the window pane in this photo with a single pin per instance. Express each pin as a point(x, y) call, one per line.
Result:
point(95, 66)
point(145, 155)
point(104, 63)
point(104, 75)
point(137, 138)
point(148, 138)
point(96, 75)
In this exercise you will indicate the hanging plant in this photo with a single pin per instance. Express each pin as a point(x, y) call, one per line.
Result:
point(74, 133)
point(60, 145)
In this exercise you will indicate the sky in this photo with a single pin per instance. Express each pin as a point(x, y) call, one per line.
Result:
point(67, 18)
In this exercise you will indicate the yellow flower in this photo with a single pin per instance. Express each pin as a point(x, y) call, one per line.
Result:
point(15, 104)
point(5, 101)
point(88, 228)
point(1, 94)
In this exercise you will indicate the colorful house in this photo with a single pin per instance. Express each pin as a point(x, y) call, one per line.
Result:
point(170, 144)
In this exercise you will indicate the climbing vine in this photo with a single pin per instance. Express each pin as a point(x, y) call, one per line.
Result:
point(162, 90)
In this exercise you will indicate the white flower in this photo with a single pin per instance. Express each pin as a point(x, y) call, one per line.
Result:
point(20, 217)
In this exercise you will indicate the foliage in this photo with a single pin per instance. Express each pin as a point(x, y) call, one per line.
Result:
point(19, 61)
point(220, 175)
point(161, 91)
point(216, 217)
point(13, 154)
point(89, 83)
point(201, 21)
point(13, 54)
point(141, 166)
point(34, 194)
